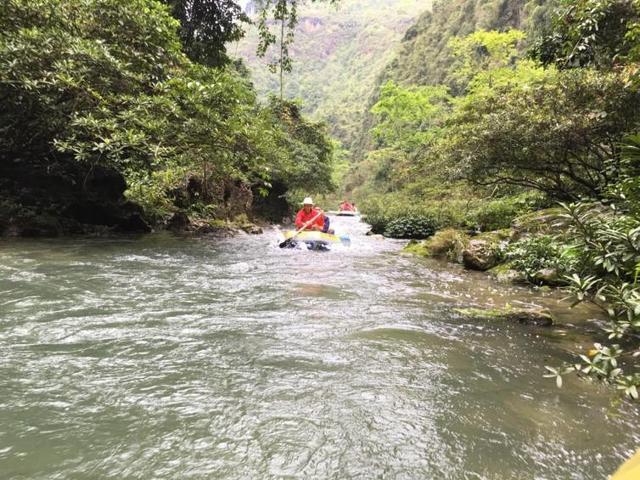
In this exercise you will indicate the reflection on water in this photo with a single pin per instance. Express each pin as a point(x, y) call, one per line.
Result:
point(165, 357)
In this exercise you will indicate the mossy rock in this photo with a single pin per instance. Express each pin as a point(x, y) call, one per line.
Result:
point(481, 254)
point(448, 243)
point(251, 228)
point(417, 248)
point(550, 277)
point(496, 236)
point(537, 317)
point(505, 273)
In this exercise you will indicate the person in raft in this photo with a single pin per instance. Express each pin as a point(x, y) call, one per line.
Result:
point(345, 206)
point(308, 213)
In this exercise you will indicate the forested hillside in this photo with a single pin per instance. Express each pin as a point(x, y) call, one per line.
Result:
point(424, 56)
point(338, 52)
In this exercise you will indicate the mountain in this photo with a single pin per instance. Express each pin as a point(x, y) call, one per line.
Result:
point(423, 57)
point(338, 53)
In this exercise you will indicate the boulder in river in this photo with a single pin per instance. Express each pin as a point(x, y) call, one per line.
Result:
point(505, 273)
point(480, 255)
point(525, 316)
point(448, 244)
point(179, 222)
point(252, 229)
point(550, 277)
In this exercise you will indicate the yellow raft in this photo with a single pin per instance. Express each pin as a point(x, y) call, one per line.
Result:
point(630, 470)
point(311, 236)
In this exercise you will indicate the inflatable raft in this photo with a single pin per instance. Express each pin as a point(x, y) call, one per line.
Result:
point(317, 240)
point(344, 213)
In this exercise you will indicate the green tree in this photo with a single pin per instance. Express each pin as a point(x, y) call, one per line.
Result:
point(557, 134)
point(306, 157)
point(60, 61)
point(598, 33)
point(409, 116)
point(104, 84)
point(483, 51)
point(206, 26)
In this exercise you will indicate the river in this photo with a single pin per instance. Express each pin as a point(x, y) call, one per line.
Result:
point(161, 357)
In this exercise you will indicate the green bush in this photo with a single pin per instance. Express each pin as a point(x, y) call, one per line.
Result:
point(607, 244)
point(499, 213)
point(411, 227)
point(380, 210)
point(533, 254)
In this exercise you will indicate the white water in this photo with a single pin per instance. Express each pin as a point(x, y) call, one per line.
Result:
point(166, 357)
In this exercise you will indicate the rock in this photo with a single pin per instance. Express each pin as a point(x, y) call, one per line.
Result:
point(504, 273)
point(47, 197)
point(549, 276)
point(414, 247)
point(206, 228)
point(537, 317)
point(134, 223)
point(273, 206)
point(43, 225)
point(252, 229)
point(449, 244)
point(480, 255)
point(179, 222)
point(513, 277)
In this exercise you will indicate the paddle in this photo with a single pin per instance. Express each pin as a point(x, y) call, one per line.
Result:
point(288, 240)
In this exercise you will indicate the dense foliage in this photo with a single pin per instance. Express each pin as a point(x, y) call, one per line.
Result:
point(412, 227)
point(607, 250)
point(556, 132)
point(105, 83)
point(206, 26)
point(425, 55)
point(598, 33)
point(533, 255)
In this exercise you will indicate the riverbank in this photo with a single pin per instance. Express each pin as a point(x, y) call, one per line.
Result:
point(527, 253)
point(77, 200)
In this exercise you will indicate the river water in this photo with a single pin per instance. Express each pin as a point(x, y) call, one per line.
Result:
point(188, 358)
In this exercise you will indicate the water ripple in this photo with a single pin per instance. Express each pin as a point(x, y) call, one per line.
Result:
point(165, 357)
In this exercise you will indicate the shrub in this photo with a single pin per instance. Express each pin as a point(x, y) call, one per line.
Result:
point(447, 243)
point(412, 227)
point(499, 213)
point(608, 246)
point(381, 210)
point(378, 222)
point(533, 254)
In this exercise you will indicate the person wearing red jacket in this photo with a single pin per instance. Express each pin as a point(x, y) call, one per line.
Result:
point(345, 206)
point(308, 213)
